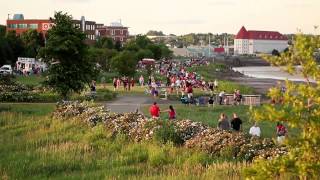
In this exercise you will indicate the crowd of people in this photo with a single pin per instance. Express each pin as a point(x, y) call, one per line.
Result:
point(126, 82)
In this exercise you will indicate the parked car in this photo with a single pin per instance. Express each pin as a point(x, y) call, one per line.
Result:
point(6, 69)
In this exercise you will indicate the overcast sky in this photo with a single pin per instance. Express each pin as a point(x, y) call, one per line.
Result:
point(179, 16)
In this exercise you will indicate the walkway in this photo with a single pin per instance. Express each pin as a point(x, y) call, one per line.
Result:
point(130, 103)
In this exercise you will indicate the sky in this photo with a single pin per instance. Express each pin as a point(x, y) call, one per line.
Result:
point(179, 16)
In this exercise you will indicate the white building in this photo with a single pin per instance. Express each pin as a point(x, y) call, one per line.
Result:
point(252, 42)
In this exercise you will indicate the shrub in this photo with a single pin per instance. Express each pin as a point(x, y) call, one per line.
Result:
point(167, 133)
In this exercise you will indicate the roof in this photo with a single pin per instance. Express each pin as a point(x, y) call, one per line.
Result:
point(218, 50)
point(260, 35)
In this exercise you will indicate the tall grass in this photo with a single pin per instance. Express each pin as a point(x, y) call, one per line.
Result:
point(35, 146)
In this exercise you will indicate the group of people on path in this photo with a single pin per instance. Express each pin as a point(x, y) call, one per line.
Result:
point(127, 83)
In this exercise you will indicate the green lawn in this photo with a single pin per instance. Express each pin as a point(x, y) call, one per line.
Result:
point(35, 146)
point(32, 80)
point(211, 115)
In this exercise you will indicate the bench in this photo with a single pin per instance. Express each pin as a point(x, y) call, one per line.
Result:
point(251, 100)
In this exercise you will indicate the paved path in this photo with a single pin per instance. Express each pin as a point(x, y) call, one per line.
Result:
point(130, 103)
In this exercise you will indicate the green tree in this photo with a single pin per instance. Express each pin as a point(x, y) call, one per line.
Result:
point(32, 42)
point(125, 63)
point(6, 53)
point(144, 53)
point(65, 52)
point(156, 50)
point(102, 56)
point(142, 41)
point(155, 33)
point(105, 42)
point(2, 31)
point(300, 109)
point(16, 46)
point(118, 46)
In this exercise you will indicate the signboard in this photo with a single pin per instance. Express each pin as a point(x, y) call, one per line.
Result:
point(46, 26)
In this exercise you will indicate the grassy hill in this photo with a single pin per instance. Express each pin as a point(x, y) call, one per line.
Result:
point(33, 145)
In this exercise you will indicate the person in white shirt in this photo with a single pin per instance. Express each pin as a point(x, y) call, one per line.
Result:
point(255, 130)
point(215, 83)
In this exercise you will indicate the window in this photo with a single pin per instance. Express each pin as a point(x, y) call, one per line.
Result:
point(112, 32)
point(14, 26)
point(22, 26)
point(33, 26)
point(121, 32)
point(121, 39)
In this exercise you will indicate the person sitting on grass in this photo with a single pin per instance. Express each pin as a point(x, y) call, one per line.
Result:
point(172, 113)
point(236, 123)
point(184, 99)
point(154, 92)
point(223, 122)
point(154, 111)
point(255, 130)
point(281, 132)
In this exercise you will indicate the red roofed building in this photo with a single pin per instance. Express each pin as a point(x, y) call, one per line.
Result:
point(252, 42)
point(219, 50)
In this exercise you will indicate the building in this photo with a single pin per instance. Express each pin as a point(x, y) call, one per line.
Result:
point(252, 42)
point(88, 27)
point(21, 25)
point(116, 31)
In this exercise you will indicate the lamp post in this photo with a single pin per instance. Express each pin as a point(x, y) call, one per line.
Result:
point(315, 29)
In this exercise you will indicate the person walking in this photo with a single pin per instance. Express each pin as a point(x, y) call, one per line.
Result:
point(141, 81)
point(255, 130)
point(118, 83)
point(223, 122)
point(93, 88)
point(236, 123)
point(114, 84)
point(215, 83)
point(221, 97)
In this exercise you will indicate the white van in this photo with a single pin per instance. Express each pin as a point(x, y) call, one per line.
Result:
point(27, 65)
point(6, 69)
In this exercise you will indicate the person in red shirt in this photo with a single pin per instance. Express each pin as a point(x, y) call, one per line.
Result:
point(281, 132)
point(154, 111)
point(172, 113)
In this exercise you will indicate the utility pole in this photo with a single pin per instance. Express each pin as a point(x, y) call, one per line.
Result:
point(227, 49)
point(315, 29)
point(209, 46)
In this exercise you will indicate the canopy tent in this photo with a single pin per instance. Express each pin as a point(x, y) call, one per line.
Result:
point(148, 61)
